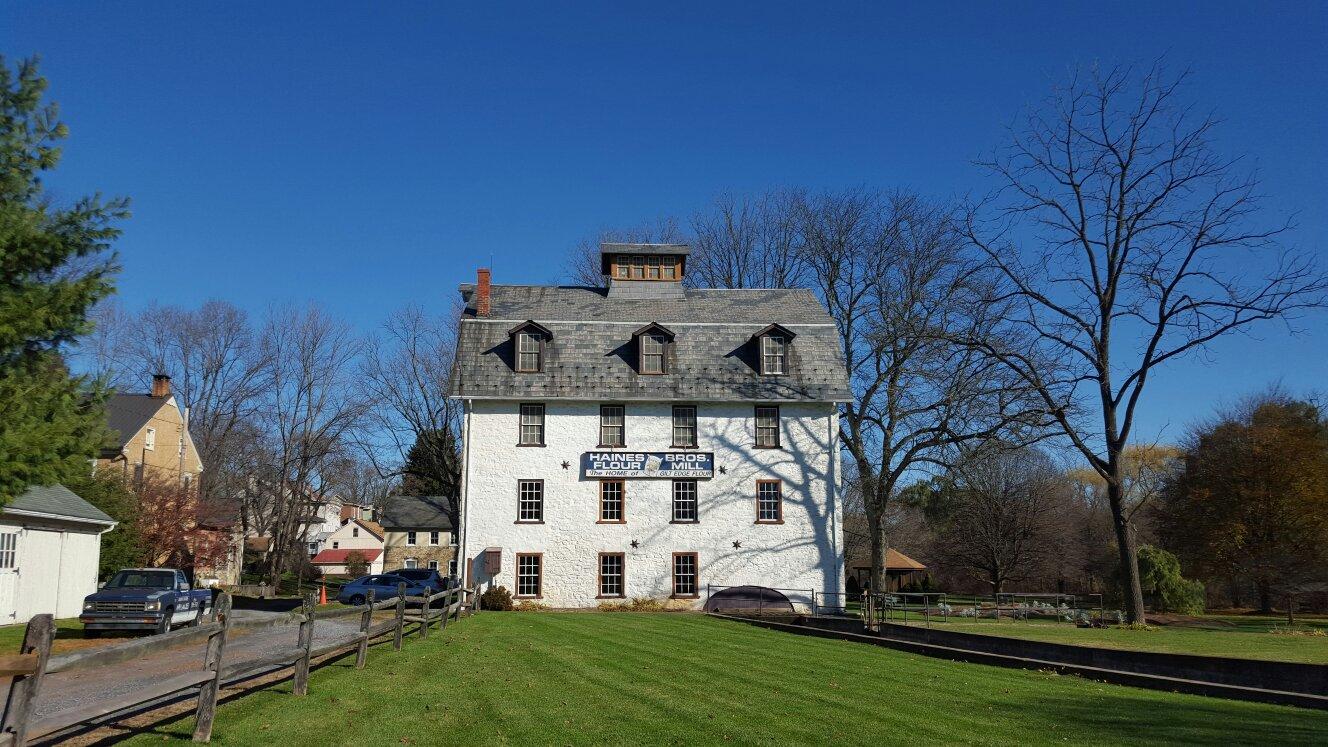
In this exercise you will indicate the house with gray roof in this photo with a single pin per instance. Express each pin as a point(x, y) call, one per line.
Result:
point(646, 438)
point(50, 548)
point(151, 438)
point(419, 533)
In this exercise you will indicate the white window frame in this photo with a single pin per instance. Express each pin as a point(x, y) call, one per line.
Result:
point(530, 501)
point(689, 426)
point(433, 565)
point(150, 439)
point(681, 489)
point(774, 349)
point(612, 425)
point(434, 536)
point(768, 435)
point(409, 563)
point(529, 343)
point(410, 538)
point(531, 416)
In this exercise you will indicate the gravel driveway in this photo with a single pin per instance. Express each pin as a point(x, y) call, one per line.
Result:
point(65, 690)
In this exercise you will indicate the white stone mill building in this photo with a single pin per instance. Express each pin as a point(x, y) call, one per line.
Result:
point(648, 439)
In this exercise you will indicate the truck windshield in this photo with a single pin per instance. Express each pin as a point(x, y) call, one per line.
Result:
point(142, 580)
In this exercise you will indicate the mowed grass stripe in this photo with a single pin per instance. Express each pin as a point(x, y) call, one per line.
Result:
point(624, 678)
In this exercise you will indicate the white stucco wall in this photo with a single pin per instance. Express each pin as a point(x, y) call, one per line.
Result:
point(57, 568)
point(802, 553)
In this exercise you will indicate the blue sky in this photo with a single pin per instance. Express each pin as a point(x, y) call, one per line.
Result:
point(369, 155)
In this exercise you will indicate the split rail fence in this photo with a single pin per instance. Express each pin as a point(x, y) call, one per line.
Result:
point(33, 662)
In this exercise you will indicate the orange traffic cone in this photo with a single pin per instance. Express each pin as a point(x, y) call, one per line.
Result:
point(322, 593)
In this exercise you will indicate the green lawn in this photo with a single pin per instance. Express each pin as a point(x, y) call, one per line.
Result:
point(68, 636)
point(555, 678)
point(1248, 638)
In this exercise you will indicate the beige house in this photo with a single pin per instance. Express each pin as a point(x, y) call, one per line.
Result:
point(356, 535)
point(151, 437)
point(420, 533)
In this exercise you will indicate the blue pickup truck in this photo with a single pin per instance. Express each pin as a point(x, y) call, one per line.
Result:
point(154, 599)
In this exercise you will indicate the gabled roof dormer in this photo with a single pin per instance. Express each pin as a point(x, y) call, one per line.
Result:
point(530, 341)
point(772, 349)
point(654, 349)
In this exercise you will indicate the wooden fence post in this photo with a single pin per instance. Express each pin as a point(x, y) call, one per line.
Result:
point(300, 683)
point(207, 694)
point(424, 613)
point(401, 615)
point(365, 618)
point(447, 611)
point(23, 688)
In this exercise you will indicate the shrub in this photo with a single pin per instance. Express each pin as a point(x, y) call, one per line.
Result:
point(1159, 573)
point(529, 606)
point(639, 604)
point(496, 598)
point(356, 564)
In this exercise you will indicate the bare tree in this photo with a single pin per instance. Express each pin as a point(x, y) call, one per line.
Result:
point(412, 430)
point(309, 408)
point(217, 374)
point(998, 509)
point(906, 299)
point(748, 243)
point(583, 264)
point(1124, 240)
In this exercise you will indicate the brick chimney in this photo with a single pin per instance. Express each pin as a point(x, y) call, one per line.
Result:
point(482, 293)
point(161, 386)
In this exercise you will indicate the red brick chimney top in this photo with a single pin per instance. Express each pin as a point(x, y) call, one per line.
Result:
point(161, 386)
point(482, 304)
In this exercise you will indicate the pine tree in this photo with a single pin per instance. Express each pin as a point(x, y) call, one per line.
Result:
point(55, 263)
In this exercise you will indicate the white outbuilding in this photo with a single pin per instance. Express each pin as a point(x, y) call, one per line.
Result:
point(50, 547)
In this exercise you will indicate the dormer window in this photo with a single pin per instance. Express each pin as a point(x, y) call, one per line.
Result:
point(652, 346)
point(645, 266)
point(652, 353)
point(773, 346)
point(529, 342)
point(529, 352)
point(774, 354)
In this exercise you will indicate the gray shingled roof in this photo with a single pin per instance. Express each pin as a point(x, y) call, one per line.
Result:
point(57, 500)
point(630, 248)
point(126, 414)
point(591, 354)
point(416, 512)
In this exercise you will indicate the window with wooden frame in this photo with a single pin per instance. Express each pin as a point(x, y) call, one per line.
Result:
point(686, 572)
point(531, 426)
point(612, 426)
point(529, 351)
point(410, 537)
point(684, 502)
point(612, 576)
point(767, 426)
point(529, 575)
point(645, 267)
point(769, 502)
point(612, 508)
point(684, 426)
point(774, 354)
point(529, 502)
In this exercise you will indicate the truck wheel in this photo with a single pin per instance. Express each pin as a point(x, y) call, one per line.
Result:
point(165, 625)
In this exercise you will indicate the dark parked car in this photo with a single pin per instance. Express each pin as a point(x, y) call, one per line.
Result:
point(427, 576)
point(144, 599)
point(384, 586)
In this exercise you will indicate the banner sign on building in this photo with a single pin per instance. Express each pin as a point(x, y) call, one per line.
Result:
point(666, 464)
